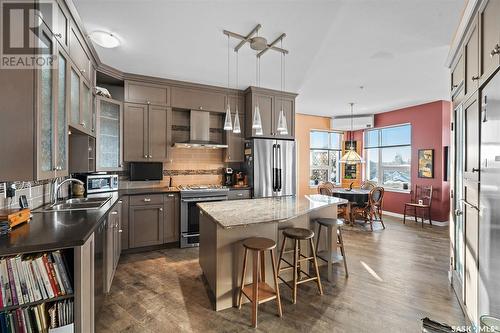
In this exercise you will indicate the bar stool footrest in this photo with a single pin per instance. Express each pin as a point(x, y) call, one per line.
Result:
point(265, 293)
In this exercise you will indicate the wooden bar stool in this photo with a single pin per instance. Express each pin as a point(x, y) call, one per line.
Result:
point(331, 257)
point(298, 234)
point(259, 291)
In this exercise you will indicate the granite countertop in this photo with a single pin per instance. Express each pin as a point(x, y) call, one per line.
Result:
point(56, 230)
point(251, 211)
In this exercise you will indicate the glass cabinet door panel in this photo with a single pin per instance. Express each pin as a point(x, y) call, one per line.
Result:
point(46, 120)
point(75, 98)
point(109, 135)
point(61, 115)
point(86, 109)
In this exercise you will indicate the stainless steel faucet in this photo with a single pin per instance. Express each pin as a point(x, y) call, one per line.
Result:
point(56, 186)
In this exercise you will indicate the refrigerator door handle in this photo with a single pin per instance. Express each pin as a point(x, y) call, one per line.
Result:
point(273, 167)
point(279, 168)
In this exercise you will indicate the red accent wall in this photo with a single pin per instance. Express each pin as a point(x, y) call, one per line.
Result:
point(430, 125)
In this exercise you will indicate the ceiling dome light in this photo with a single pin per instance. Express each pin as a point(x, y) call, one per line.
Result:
point(105, 39)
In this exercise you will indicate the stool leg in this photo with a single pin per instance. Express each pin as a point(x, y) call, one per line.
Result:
point(276, 286)
point(281, 253)
point(263, 267)
point(243, 278)
point(295, 264)
point(317, 240)
point(404, 215)
point(342, 251)
point(299, 275)
point(315, 261)
point(255, 291)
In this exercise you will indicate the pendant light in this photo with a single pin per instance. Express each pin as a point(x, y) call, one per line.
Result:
point(236, 127)
point(256, 120)
point(282, 125)
point(228, 126)
point(351, 156)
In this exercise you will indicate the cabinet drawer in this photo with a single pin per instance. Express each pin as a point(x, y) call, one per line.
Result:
point(141, 200)
point(78, 54)
point(239, 194)
point(197, 99)
point(138, 92)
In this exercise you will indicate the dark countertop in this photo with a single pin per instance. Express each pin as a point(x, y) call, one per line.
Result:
point(56, 230)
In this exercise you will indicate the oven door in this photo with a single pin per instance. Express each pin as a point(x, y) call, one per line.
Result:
point(190, 220)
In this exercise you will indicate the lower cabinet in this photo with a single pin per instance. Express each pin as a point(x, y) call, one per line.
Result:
point(153, 219)
point(112, 244)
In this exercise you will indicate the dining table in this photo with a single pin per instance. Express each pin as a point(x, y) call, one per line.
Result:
point(355, 196)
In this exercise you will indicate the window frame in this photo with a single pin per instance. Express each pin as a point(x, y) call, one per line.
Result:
point(380, 148)
point(329, 150)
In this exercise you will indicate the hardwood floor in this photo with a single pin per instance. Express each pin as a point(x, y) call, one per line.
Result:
point(396, 277)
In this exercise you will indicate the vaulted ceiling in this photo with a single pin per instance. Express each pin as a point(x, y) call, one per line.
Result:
point(394, 49)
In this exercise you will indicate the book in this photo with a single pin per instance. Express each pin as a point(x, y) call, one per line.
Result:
point(45, 276)
point(63, 270)
point(21, 278)
point(17, 284)
point(52, 275)
point(34, 282)
point(6, 283)
point(39, 279)
point(58, 274)
point(13, 288)
point(27, 279)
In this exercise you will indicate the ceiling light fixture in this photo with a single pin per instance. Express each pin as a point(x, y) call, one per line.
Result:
point(236, 127)
point(282, 125)
point(351, 156)
point(105, 39)
point(228, 126)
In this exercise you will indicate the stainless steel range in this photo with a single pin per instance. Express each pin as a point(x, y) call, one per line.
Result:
point(190, 196)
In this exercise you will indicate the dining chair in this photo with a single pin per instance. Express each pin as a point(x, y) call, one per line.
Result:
point(420, 201)
point(327, 189)
point(372, 210)
point(368, 185)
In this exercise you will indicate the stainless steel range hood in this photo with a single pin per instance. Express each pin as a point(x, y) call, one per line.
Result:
point(199, 133)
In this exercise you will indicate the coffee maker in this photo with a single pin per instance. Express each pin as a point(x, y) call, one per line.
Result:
point(228, 177)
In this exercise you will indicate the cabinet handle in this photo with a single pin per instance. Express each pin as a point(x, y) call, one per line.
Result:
point(170, 195)
point(475, 78)
point(148, 102)
point(82, 71)
point(475, 170)
point(495, 51)
point(145, 156)
point(58, 35)
point(240, 194)
point(150, 156)
point(120, 201)
point(82, 123)
point(120, 230)
point(147, 199)
point(161, 209)
point(114, 213)
point(201, 107)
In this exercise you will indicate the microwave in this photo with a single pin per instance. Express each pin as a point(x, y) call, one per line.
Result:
point(95, 183)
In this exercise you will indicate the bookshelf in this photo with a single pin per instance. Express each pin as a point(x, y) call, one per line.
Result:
point(37, 291)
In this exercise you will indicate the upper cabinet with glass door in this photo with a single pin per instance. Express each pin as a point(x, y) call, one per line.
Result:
point(109, 144)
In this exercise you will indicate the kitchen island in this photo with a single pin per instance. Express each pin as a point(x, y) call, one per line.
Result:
point(224, 225)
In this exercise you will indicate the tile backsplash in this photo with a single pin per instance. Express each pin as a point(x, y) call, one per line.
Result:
point(195, 166)
point(37, 193)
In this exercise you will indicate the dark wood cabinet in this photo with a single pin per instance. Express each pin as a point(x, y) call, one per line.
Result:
point(147, 93)
point(172, 223)
point(489, 20)
point(269, 103)
point(198, 99)
point(146, 225)
point(146, 132)
point(471, 52)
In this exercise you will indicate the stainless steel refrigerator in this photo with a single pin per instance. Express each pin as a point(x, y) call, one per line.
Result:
point(271, 167)
point(489, 201)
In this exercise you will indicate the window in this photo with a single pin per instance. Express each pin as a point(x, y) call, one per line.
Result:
point(324, 157)
point(388, 156)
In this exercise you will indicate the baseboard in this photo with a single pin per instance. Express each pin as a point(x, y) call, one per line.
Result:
point(410, 218)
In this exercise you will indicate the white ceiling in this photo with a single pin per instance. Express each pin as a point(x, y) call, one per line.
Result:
point(395, 49)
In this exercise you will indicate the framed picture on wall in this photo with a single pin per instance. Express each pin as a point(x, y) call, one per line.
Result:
point(426, 163)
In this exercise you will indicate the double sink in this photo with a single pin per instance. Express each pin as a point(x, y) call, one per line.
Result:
point(75, 204)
